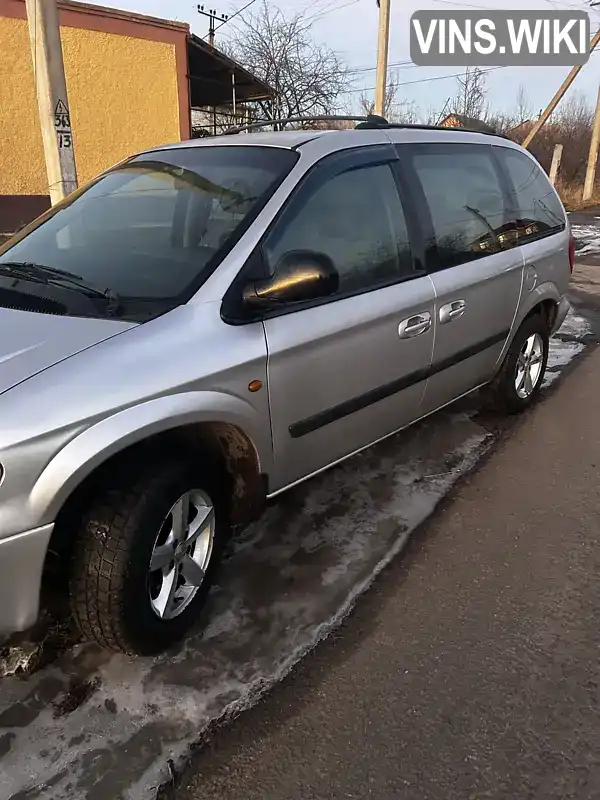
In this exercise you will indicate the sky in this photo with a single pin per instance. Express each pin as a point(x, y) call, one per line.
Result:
point(350, 28)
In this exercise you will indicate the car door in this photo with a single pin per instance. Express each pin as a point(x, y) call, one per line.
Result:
point(476, 270)
point(349, 369)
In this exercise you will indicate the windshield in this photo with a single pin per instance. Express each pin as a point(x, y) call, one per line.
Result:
point(151, 230)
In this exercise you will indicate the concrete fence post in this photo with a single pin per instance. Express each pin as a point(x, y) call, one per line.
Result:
point(555, 166)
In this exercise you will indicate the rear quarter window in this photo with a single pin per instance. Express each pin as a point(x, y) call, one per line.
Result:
point(464, 194)
point(538, 211)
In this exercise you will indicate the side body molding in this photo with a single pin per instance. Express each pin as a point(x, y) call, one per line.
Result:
point(78, 459)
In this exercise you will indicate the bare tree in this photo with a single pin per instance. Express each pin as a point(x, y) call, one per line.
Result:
point(524, 109)
point(469, 100)
point(405, 112)
point(501, 122)
point(394, 108)
point(509, 122)
point(571, 124)
point(366, 103)
point(306, 77)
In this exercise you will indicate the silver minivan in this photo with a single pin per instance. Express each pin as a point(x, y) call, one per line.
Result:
point(209, 323)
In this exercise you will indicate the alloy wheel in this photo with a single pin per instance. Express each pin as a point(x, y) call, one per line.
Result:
point(529, 366)
point(181, 554)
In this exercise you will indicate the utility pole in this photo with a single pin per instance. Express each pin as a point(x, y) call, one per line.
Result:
point(558, 96)
point(590, 175)
point(383, 42)
point(53, 104)
point(213, 16)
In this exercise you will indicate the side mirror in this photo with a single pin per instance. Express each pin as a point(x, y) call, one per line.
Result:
point(300, 275)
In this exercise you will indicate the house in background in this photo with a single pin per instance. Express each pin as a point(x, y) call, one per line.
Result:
point(132, 82)
point(460, 121)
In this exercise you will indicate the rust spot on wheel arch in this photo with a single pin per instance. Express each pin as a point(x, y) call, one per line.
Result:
point(241, 462)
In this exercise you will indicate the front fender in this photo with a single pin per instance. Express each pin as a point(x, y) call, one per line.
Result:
point(80, 457)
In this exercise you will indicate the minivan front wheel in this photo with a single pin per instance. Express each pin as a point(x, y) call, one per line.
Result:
point(146, 556)
point(521, 375)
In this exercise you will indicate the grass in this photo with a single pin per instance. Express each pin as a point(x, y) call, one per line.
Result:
point(571, 194)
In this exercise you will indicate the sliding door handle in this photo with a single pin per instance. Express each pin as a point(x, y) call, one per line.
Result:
point(415, 325)
point(452, 310)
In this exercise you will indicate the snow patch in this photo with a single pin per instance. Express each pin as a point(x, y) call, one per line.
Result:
point(19, 659)
point(565, 345)
point(587, 239)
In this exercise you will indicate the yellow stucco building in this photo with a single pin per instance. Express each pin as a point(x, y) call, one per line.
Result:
point(131, 80)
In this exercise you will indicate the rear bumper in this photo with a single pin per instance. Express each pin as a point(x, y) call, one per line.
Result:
point(21, 564)
point(563, 309)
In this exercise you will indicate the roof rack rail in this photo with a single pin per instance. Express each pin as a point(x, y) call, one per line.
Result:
point(423, 127)
point(370, 120)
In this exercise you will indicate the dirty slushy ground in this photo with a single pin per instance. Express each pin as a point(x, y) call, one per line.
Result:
point(96, 726)
point(470, 669)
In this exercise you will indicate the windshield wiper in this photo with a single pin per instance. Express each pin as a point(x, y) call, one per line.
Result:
point(42, 269)
point(40, 273)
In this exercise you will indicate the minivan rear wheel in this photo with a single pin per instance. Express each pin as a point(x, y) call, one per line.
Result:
point(520, 378)
point(146, 556)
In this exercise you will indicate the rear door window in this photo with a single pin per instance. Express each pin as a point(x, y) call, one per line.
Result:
point(466, 200)
point(537, 208)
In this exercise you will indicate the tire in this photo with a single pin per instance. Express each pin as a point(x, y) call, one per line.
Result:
point(502, 394)
point(114, 597)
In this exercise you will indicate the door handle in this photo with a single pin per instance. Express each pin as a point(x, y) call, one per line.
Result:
point(413, 326)
point(452, 310)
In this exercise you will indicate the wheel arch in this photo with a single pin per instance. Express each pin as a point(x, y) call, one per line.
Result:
point(544, 299)
point(182, 423)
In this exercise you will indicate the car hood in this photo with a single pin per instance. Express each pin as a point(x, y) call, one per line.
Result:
point(31, 342)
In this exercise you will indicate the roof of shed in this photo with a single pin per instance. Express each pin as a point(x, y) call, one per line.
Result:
point(211, 82)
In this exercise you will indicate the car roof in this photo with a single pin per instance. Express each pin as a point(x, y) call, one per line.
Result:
point(295, 139)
